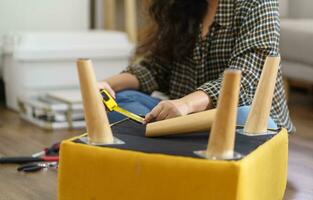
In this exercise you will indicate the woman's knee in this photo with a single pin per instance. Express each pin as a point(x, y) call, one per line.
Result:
point(129, 95)
point(133, 96)
point(243, 113)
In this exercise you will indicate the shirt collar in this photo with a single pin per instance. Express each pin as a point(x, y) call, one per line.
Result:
point(225, 12)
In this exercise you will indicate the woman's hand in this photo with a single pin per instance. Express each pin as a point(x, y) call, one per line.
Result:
point(168, 109)
point(194, 102)
point(106, 86)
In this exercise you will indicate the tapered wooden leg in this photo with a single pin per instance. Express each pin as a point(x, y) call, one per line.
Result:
point(197, 122)
point(262, 103)
point(98, 127)
point(222, 137)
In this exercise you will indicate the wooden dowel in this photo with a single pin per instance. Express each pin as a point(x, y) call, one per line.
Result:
point(222, 136)
point(98, 127)
point(196, 122)
point(109, 14)
point(257, 120)
point(131, 19)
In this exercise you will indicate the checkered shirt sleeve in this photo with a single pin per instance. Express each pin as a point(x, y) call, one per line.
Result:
point(151, 74)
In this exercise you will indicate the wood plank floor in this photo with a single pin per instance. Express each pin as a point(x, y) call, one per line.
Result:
point(300, 177)
point(18, 137)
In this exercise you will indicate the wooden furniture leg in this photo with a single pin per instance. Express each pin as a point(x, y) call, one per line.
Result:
point(196, 122)
point(262, 103)
point(98, 127)
point(222, 137)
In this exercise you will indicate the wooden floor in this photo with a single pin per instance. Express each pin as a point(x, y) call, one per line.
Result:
point(300, 177)
point(21, 138)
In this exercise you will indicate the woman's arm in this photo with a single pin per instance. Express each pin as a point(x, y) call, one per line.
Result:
point(123, 81)
point(147, 76)
point(151, 74)
point(119, 82)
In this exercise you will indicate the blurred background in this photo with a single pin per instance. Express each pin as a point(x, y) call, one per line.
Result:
point(39, 91)
point(39, 40)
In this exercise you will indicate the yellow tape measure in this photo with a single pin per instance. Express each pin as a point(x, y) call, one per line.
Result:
point(111, 105)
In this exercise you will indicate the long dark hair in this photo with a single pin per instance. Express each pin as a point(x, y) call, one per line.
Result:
point(172, 28)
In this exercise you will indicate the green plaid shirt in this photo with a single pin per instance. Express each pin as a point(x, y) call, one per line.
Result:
point(243, 34)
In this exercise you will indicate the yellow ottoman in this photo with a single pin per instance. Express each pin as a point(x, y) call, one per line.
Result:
point(166, 168)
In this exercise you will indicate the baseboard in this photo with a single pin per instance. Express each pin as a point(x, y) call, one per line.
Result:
point(2, 93)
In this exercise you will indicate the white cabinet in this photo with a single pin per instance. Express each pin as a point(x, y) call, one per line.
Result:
point(44, 61)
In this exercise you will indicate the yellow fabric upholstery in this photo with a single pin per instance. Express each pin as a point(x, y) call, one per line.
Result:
point(88, 172)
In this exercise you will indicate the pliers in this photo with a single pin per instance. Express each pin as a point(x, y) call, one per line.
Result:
point(27, 159)
point(51, 151)
point(34, 167)
point(50, 154)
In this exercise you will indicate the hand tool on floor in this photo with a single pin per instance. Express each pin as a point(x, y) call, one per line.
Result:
point(27, 159)
point(51, 151)
point(34, 167)
point(112, 105)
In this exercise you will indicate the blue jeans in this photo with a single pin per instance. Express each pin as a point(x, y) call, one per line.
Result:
point(141, 104)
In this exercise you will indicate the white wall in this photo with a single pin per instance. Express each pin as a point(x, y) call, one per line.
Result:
point(301, 8)
point(283, 8)
point(43, 15)
point(32, 15)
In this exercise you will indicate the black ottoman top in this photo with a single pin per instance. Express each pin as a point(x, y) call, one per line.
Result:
point(133, 134)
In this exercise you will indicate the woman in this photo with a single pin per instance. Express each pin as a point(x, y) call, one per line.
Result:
point(185, 51)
